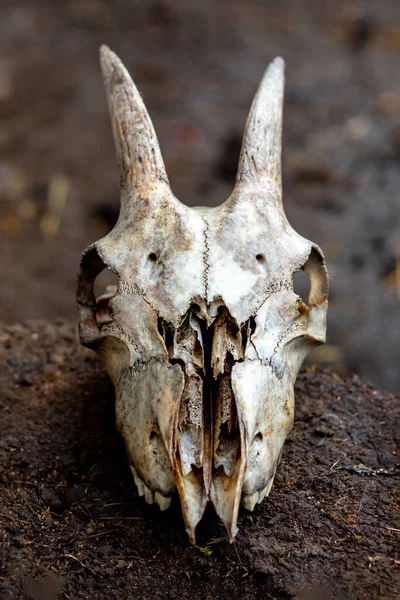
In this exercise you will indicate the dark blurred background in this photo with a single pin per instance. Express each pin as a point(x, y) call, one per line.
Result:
point(197, 65)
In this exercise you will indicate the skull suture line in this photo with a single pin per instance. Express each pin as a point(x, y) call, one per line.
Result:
point(204, 335)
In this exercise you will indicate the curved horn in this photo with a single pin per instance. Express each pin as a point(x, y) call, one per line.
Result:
point(262, 141)
point(138, 152)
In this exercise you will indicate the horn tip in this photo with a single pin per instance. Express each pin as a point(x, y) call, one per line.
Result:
point(106, 53)
point(274, 74)
point(277, 65)
point(109, 61)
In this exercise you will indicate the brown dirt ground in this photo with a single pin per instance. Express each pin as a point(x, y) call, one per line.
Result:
point(73, 527)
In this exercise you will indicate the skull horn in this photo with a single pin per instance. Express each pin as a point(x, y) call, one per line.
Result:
point(260, 156)
point(140, 163)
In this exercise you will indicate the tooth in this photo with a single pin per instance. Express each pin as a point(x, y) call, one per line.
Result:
point(262, 494)
point(249, 502)
point(140, 487)
point(138, 482)
point(162, 501)
point(148, 495)
point(143, 490)
point(268, 487)
point(265, 492)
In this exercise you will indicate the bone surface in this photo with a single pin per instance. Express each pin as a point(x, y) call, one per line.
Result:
point(204, 334)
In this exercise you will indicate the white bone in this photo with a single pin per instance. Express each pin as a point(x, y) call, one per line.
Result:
point(138, 153)
point(262, 142)
point(203, 336)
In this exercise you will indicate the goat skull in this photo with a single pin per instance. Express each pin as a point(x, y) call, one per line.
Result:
point(204, 335)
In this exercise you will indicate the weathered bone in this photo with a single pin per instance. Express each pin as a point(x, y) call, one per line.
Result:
point(140, 163)
point(260, 156)
point(204, 335)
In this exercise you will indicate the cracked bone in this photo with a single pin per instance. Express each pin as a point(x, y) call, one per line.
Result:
point(203, 335)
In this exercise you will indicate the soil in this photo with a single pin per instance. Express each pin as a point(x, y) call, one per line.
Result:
point(198, 65)
point(73, 526)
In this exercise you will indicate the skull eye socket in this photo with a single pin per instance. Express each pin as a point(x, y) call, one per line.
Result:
point(311, 281)
point(105, 283)
point(105, 288)
point(97, 284)
point(152, 257)
point(302, 284)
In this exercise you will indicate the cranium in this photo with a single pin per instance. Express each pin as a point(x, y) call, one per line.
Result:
point(204, 335)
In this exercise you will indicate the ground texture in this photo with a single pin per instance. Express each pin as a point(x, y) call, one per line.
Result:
point(73, 526)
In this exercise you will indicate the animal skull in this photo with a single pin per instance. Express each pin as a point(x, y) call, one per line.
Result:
point(204, 335)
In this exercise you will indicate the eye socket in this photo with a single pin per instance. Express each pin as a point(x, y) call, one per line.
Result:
point(260, 258)
point(97, 284)
point(105, 288)
point(311, 282)
point(105, 283)
point(301, 284)
point(152, 257)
